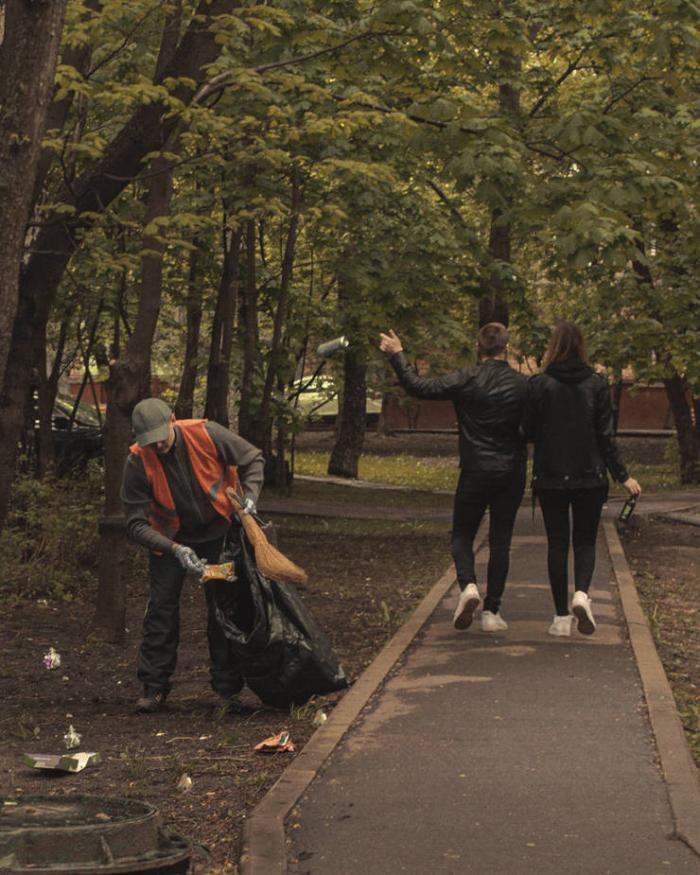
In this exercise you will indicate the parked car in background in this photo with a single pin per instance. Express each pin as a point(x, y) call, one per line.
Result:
point(318, 402)
point(78, 442)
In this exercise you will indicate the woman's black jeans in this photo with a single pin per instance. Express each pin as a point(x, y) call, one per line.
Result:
point(502, 493)
point(586, 507)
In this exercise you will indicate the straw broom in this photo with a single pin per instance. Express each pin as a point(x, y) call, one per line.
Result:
point(269, 560)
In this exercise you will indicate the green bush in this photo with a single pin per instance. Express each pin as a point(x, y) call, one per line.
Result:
point(48, 548)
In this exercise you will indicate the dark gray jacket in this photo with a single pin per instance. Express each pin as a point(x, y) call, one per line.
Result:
point(488, 400)
point(199, 521)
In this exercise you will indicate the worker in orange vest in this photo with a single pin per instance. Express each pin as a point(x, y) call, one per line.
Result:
point(173, 491)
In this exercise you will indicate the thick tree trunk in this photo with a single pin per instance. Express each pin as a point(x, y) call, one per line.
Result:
point(493, 306)
point(685, 411)
point(146, 132)
point(128, 382)
point(351, 432)
point(28, 53)
point(184, 405)
point(218, 372)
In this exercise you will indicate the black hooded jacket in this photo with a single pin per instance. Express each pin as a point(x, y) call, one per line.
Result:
point(569, 417)
point(488, 401)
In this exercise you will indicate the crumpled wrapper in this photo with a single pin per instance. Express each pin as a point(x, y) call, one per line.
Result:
point(225, 571)
point(280, 743)
point(185, 783)
point(52, 659)
point(72, 738)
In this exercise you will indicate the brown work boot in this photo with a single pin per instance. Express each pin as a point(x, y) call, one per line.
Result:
point(151, 702)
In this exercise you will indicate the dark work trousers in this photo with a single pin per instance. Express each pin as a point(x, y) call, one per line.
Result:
point(161, 626)
point(586, 507)
point(501, 493)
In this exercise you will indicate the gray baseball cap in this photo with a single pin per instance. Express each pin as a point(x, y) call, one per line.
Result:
point(151, 421)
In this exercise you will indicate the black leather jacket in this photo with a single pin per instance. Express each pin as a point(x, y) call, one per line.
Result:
point(488, 400)
point(569, 416)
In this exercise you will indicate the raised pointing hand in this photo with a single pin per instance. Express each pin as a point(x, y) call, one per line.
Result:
point(390, 343)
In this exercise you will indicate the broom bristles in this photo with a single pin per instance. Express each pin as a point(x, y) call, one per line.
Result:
point(269, 560)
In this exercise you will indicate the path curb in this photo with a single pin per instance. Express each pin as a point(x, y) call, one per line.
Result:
point(677, 764)
point(264, 841)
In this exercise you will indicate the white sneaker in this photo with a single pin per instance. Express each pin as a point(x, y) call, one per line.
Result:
point(581, 609)
point(491, 622)
point(561, 626)
point(467, 603)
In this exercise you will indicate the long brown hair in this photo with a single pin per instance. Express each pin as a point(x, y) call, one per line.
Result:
point(565, 343)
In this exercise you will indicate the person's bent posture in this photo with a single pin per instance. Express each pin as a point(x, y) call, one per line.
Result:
point(488, 401)
point(173, 491)
point(569, 417)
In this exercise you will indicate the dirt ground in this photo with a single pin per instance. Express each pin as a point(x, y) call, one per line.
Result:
point(665, 560)
point(364, 579)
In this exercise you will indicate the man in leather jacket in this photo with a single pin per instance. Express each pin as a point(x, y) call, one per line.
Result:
point(488, 400)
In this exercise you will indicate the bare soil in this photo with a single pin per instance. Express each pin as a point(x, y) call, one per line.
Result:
point(665, 559)
point(364, 579)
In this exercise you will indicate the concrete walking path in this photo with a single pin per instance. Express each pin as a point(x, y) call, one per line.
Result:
point(498, 754)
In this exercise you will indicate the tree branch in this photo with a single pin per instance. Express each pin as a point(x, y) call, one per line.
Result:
point(223, 79)
point(627, 91)
point(448, 203)
point(573, 65)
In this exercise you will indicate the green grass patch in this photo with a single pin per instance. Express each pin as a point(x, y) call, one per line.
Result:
point(301, 525)
point(441, 473)
point(356, 496)
point(400, 470)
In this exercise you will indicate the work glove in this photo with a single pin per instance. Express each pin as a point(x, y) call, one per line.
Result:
point(249, 506)
point(189, 559)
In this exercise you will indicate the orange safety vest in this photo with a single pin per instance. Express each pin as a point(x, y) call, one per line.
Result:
point(207, 467)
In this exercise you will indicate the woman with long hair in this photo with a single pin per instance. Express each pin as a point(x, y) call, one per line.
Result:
point(569, 417)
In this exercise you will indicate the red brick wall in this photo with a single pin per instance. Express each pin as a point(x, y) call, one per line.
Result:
point(645, 408)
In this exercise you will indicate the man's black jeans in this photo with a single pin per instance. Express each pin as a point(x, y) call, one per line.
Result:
point(161, 626)
point(586, 507)
point(500, 492)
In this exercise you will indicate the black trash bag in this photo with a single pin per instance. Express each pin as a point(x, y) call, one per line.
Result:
point(282, 653)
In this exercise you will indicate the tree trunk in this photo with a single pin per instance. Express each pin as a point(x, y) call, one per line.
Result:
point(249, 326)
point(147, 131)
point(351, 433)
point(72, 56)
point(263, 424)
point(28, 53)
point(185, 399)
point(128, 383)
point(493, 306)
point(685, 410)
point(45, 450)
point(218, 373)
point(383, 426)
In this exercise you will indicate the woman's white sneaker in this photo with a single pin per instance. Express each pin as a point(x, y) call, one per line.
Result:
point(491, 622)
point(581, 609)
point(467, 603)
point(561, 626)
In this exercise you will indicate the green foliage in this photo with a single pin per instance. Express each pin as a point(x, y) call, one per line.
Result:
point(48, 549)
point(417, 129)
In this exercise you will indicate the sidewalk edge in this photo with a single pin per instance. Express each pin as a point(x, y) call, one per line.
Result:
point(677, 764)
point(264, 841)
